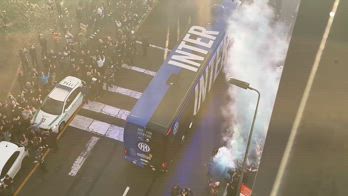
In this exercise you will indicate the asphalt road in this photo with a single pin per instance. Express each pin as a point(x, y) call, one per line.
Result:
point(317, 163)
point(322, 136)
point(92, 164)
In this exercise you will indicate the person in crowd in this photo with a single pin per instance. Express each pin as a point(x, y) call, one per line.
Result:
point(50, 6)
point(186, 192)
point(59, 8)
point(176, 190)
point(214, 188)
point(24, 59)
point(4, 21)
point(100, 62)
point(94, 88)
point(24, 140)
point(8, 183)
point(33, 55)
point(43, 44)
point(56, 37)
point(85, 92)
point(39, 158)
point(44, 79)
point(21, 79)
point(51, 138)
point(69, 38)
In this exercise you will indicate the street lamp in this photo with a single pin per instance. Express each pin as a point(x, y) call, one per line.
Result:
point(246, 85)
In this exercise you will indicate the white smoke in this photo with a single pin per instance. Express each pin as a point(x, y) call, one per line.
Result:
point(256, 56)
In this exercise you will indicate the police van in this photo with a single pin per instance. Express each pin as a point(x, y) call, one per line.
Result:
point(60, 104)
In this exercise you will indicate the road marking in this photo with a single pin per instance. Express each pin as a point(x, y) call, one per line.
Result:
point(303, 103)
point(167, 44)
point(123, 91)
point(139, 69)
point(178, 30)
point(83, 156)
point(81, 122)
point(126, 191)
point(106, 109)
point(26, 179)
point(154, 46)
point(98, 127)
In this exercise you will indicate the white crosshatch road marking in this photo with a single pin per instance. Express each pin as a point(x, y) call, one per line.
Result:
point(123, 91)
point(139, 69)
point(115, 132)
point(106, 109)
point(83, 156)
point(98, 127)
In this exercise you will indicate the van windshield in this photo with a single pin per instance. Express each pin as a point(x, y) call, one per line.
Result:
point(52, 106)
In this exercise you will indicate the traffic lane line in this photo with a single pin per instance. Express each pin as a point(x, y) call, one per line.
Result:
point(167, 44)
point(126, 191)
point(26, 179)
point(155, 46)
point(139, 69)
point(178, 30)
point(80, 160)
point(124, 91)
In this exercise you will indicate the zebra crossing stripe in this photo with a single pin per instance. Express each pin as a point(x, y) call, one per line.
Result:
point(139, 69)
point(123, 91)
point(106, 109)
point(98, 127)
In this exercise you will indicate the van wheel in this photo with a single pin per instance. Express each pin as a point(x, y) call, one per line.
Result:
point(61, 127)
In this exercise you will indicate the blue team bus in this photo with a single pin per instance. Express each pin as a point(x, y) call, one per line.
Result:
point(163, 115)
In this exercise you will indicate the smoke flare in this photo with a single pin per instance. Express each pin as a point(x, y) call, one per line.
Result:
point(257, 55)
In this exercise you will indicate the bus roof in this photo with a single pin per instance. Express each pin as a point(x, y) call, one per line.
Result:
point(165, 95)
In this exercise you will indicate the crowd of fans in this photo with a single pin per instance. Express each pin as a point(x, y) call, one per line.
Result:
point(179, 191)
point(84, 49)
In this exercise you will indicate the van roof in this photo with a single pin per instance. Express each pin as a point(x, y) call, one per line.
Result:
point(70, 82)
